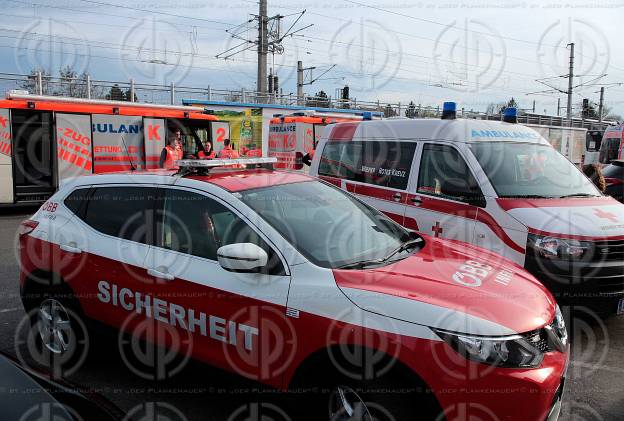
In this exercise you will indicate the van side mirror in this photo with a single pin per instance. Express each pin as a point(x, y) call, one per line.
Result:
point(242, 257)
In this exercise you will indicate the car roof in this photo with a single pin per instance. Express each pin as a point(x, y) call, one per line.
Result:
point(454, 130)
point(230, 179)
point(240, 180)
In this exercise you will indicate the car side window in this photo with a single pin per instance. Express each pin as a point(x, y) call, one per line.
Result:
point(385, 164)
point(198, 225)
point(76, 201)
point(444, 173)
point(124, 212)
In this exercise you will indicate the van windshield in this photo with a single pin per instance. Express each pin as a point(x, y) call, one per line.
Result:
point(328, 226)
point(530, 170)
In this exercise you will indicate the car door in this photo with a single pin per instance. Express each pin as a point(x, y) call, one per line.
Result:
point(108, 241)
point(446, 197)
point(236, 321)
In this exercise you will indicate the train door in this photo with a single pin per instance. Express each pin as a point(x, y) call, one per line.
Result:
point(73, 145)
point(220, 130)
point(155, 138)
point(33, 155)
point(6, 164)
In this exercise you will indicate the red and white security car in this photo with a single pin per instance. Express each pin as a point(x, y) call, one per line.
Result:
point(292, 282)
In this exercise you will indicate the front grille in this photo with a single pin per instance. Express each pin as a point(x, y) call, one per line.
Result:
point(609, 251)
point(540, 340)
point(582, 279)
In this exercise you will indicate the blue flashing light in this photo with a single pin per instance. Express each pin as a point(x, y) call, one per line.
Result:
point(510, 115)
point(449, 106)
point(511, 112)
point(367, 115)
point(449, 111)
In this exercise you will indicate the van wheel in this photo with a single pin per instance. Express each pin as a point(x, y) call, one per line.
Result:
point(58, 330)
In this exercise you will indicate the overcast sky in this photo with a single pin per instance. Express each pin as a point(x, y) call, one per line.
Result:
point(473, 52)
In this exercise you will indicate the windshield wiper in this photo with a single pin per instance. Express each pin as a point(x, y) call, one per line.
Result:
point(578, 195)
point(526, 196)
point(361, 264)
point(402, 247)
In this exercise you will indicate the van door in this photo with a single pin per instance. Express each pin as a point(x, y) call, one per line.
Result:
point(446, 194)
point(33, 155)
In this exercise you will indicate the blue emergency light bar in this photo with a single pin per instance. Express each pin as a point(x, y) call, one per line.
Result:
point(449, 111)
point(510, 115)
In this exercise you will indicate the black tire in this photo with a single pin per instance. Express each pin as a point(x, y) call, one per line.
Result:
point(387, 399)
point(396, 395)
point(58, 337)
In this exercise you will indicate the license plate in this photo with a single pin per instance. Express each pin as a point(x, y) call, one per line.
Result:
point(620, 307)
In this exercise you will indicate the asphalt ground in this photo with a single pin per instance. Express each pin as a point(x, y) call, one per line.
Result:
point(594, 387)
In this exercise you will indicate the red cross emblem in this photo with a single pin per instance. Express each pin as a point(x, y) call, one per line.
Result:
point(437, 229)
point(605, 215)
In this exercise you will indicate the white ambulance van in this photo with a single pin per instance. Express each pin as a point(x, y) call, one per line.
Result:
point(495, 184)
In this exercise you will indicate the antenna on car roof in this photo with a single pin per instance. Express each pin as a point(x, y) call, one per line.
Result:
point(132, 167)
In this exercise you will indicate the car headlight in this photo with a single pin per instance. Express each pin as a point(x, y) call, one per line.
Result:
point(559, 248)
point(508, 351)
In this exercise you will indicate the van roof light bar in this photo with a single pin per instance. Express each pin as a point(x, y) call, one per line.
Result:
point(449, 110)
point(204, 165)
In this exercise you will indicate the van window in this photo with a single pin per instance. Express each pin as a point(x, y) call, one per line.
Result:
point(123, 212)
point(609, 150)
point(530, 170)
point(197, 225)
point(444, 173)
point(385, 164)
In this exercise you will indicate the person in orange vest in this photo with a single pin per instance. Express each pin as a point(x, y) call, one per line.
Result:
point(207, 153)
point(227, 152)
point(172, 152)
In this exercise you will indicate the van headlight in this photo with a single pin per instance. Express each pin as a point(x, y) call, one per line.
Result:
point(507, 351)
point(559, 248)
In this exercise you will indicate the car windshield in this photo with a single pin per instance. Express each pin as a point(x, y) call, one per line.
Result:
point(530, 170)
point(329, 227)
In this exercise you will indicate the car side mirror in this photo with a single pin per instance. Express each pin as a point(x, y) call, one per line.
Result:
point(242, 257)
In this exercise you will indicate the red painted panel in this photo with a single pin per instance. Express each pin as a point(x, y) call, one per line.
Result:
point(508, 204)
point(343, 131)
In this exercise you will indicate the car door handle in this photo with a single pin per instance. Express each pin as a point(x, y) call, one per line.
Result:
point(70, 249)
point(416, 200)
point(160, 274)
point(397, 196)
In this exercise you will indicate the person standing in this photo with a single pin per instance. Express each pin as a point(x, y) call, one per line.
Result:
point(207, 153)
point(172, 152)
point(594, 173)
point(228, 152)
